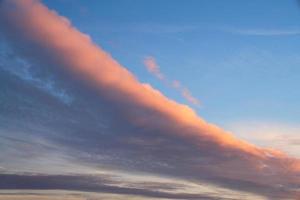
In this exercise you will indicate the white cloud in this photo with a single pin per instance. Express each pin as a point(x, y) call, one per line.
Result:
point(281, 136)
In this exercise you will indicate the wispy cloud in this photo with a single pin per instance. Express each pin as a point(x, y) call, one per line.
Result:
point(284, 137)
point(264, 32)
point(20, 68)
point(169, 29)
point(154, 69)
point(143, 187)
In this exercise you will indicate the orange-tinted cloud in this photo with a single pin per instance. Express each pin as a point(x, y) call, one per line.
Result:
point(185, 93)
point(154, 69)
point(54, 40)
point(75, 52)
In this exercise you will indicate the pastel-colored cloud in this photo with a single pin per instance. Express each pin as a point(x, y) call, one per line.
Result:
point(154, 69)
point(284, 137)
point(54, 36)
point(185, 92)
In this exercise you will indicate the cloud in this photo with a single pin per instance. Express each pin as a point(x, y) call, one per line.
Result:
point(154, 69)
point(105, 184)
point(265, 32)
point(21, 68)
point(284, 137)
point(114, 120)
point(185, 92)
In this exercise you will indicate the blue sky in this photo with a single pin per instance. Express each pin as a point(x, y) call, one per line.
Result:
point(149, 99)
point(238, 58)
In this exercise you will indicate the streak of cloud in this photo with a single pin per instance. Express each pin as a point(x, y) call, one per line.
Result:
point(265, 32)
point(105, 184)
point(154, 69)
point(22, 71)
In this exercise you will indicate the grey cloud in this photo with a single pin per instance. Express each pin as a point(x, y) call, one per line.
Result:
point(88, 184)
point(19, 67)
point(82, 134)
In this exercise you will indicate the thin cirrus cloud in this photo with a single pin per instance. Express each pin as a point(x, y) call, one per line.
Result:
point(113, 116)
point(264, 32)
point(154, 69)
point(21, 70)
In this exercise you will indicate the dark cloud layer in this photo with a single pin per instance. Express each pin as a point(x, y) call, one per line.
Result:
point(86, 183)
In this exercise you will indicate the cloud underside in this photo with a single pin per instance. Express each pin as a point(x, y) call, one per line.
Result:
point(111, 185)
point(67, 106)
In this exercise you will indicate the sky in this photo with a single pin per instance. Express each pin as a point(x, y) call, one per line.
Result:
point(149, 99)
point(239, 59)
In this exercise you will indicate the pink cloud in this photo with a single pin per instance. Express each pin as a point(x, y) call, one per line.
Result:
point(31, 23)
point(154, 69)
point(187, 94)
